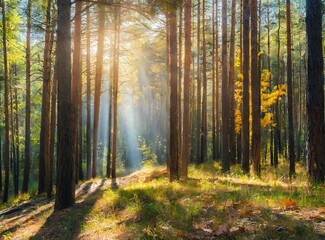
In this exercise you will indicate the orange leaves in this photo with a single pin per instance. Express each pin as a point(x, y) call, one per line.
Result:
point(323, 209)
point(290, 204)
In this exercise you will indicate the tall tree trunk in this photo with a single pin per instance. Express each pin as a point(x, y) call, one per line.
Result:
point(245, 104)
point(231, 86)
point(75, 85)
point(180, 63)
point(17, 137)
point(198, 113)
point(65, 183)
point(239, 135)
point(214, 150)
point(217, 83)
point(168, 87)
point(6, 103)
point(115, 88)
point(53, 125)
point(315, 92)
point(299, 145)
point(204, 130)
point(44, 158)
point(80, 139)
point(277, 128)
point(88, 134)
point(109, 132)
point(98, 81)
point(192, 100)
point(187, 76)
point(290, 94)
point(225, 97)
point(173, 98)
point(13, 133)
point(27, 119)
point(272, 129)
point(256, 91)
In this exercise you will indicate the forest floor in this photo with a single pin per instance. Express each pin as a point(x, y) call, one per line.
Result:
point(208, 205)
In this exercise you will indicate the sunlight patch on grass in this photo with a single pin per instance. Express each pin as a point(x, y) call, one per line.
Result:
point(153, 208)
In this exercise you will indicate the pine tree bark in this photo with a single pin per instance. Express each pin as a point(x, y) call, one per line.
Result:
point(290, 93)
point(13, 132)
point(75, 85)
point(217, 83)
point(225, 93)
point(187, 76)
point(53, 126)
point(199, 90)
point(174, 175)
point(256, 93)
point(88, 130)
point(168, 86)
point(315, 92)
point(180, 63)
point(17, 137)
point(245, 104)
point(109, 151)
point(65, 187)
point(27, 106)
point(277, 133)
point(98, 81)
point(214, 149)
point(44, 158)
point(6, 103)
point(272, 129)
point(115, 89)
point(239, 135)
point(204, 130)
point(231, 86)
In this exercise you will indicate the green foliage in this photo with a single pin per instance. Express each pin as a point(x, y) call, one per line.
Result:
point(149, 158)
point(168, 5)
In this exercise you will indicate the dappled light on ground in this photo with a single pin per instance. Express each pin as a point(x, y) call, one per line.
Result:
point(208, 205)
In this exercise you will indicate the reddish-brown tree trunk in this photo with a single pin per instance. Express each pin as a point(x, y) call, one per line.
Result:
point(187, 76)
point(198, 103)
point(231, 86)
point(315, 92)
point(180, 69)
point(98, 81)
point(44, 158)
point(27, 119)
point(173, 98)
point(88, 129)
point(204, 129)
point(290, 94)
point(65, 183)
point(245, 103)
point(256, 92)
point(76, 84)
point(225, 97)
point(115, 88)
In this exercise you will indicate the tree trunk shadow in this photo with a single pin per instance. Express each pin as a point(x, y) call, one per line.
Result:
point(67, 224)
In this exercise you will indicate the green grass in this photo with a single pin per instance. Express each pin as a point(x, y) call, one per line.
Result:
point(153, 208)
point(160, 210)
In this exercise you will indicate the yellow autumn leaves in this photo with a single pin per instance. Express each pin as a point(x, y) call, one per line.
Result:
point(269, 97)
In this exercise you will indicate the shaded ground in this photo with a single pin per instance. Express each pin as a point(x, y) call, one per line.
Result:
point(146, 206)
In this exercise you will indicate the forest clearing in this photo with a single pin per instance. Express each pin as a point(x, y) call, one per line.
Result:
point(162, 119)
point(208, 205)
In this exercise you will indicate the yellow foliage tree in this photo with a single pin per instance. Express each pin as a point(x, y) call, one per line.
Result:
point(269, 97)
